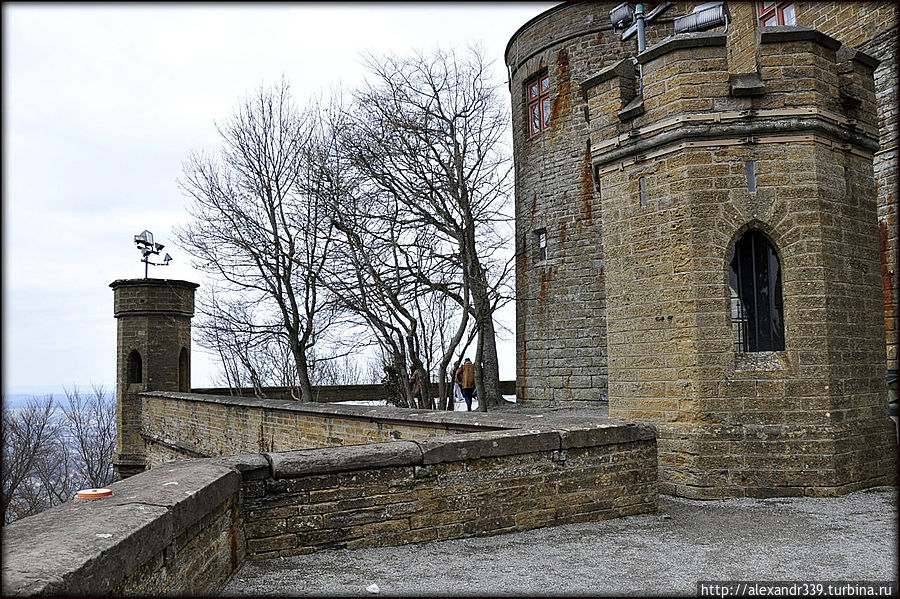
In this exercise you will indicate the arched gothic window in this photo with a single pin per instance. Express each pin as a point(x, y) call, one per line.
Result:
point(757, 306)
point(135, 370)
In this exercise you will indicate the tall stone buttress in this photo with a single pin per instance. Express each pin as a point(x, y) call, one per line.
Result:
point(153, 354)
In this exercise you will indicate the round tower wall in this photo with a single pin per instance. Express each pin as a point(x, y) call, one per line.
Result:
point(560, 309)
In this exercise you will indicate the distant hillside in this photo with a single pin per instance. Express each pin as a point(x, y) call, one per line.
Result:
point(17, 400)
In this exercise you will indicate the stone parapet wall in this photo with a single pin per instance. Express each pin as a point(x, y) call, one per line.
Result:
point(158, 295)
point(184, 528)
point(182, 425)
point(449, 487)
point(175, 530)
point(323, 393)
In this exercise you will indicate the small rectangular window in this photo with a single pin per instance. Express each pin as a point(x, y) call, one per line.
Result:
point(750, 167)
point(540, 238)
point(642, 182)
point(538, 99)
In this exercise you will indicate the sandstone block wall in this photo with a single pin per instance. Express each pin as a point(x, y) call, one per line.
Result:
point(872, 28)
point(813, 418)
point(179, 425)
point(175, 530)
point(466, 485)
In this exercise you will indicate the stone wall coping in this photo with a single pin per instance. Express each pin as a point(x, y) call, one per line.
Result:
point(88, 547)
point(849, 53)
point(153, 283)
point(795, 33)
point(469, 446)
point(683, 41)
point(461, 421)
point(555, 435)
point(623, 68)
point(304, 462)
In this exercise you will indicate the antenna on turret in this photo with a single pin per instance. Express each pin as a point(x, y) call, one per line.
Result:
point(144, 242)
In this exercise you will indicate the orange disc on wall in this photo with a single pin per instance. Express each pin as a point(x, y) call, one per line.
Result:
point(93, 493)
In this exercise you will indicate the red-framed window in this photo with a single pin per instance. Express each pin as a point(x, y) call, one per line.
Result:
point(537, 93)
point(776, 13)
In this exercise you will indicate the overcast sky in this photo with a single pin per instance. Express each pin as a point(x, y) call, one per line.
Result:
point(102, 104)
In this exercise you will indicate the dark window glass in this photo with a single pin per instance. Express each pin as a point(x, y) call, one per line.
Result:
point(135, 369)
point(184, 371)
point(757, 306)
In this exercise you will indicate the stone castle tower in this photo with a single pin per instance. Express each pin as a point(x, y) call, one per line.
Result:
point(153, 354)
point(698, 242)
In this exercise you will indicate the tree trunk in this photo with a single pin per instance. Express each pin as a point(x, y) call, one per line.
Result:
point(306, 393)
point(490, 367)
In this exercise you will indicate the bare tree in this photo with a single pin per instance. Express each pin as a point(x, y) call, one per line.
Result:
point(254, 351)
point(90, 424)
point(28, 434)
point(428, 134)
point(50, 451)
point(256, 227)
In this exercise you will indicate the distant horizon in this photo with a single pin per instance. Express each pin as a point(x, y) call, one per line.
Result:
point(42, 390)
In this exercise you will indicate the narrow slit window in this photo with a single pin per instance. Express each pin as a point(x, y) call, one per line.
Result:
point(541, 244)
point(135, 370)
point(757, 305)
point(750, 167)
point(184, 371)
point(642, 183)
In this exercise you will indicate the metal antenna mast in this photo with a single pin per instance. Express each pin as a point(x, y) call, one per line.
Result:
point(144, 242)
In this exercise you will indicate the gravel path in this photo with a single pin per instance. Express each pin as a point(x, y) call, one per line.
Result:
point(846, 538)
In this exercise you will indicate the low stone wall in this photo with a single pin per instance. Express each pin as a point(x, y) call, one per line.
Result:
point(173, 530)
point(183, 528)
point(449, 487)
point(190, 425)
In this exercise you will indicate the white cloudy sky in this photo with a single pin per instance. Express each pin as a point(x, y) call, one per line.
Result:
point(101, 105)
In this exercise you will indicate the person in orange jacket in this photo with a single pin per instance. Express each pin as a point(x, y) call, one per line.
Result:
point(465, 376)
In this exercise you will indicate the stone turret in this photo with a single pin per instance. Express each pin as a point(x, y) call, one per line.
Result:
point(153, 354)
point(560, 308)
point(742, 271)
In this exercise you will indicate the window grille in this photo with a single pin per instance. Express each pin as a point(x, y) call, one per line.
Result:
point(757, 305)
